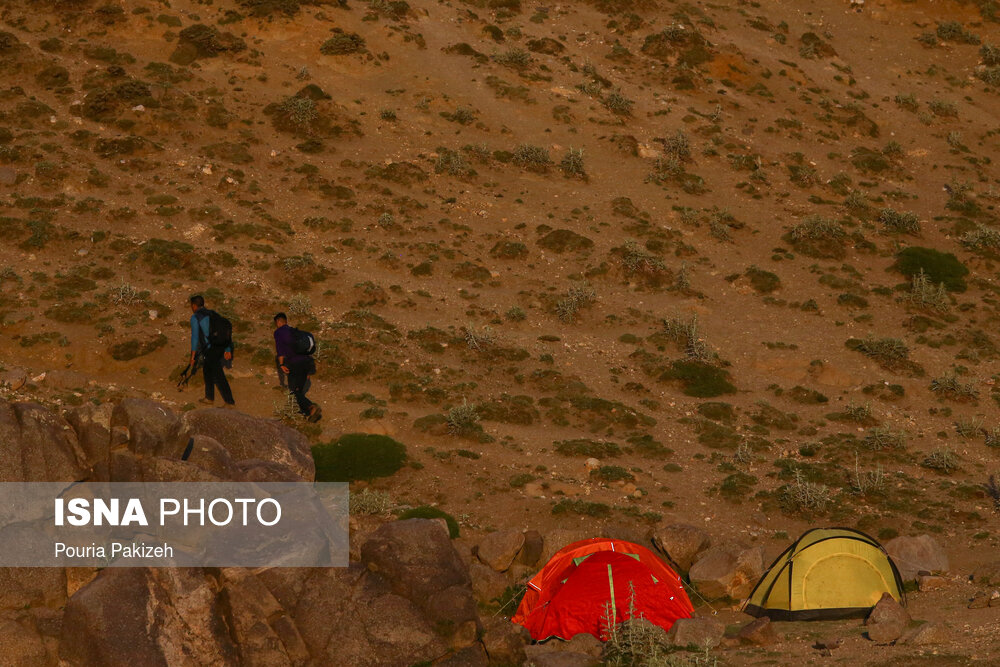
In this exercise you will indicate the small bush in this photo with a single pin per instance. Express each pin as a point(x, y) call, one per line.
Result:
point(598, 449)
point(700, 379)
point(953, 31)
point(342, 44)
point(940, 267)
point(895, 222)
point(925, 295)
point(950, 386)
point(802, 496)
point(371, 502)
point(763, 282)
point(428, 512)
point(572, 163)
point(577, 298)
point(463, 419)
point(636, 261)
point(819, 237)
point(358, 456)
point(582, 507)
point(618, 104)
point(943, 460)
point(881, 438)
point(982, 239)
point(514, 58)
point(532, 158)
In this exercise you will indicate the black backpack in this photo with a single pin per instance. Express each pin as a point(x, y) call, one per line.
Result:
point(220, 330)
point(304, 342)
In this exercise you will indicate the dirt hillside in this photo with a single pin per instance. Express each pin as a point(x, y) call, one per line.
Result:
point(742, 255)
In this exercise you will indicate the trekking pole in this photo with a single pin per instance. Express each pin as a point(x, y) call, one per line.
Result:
point(189, 372)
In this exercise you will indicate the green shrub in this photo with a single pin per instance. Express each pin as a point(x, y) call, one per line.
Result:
point(612, 474)
point(357, 456)
point(763, 282)
point(342, 43)
point(895, 222)
point(940, 267)
point(428, 512)
point(819, 237)
point(598, 449)
point(699, 379)
point(982, 239)
point(532, 158)
point(582, 507)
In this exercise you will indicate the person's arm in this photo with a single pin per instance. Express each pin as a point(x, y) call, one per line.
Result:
point(195, 337)
point(283, 346)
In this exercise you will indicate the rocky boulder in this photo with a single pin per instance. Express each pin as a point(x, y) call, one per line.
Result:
point(499, 548)
point(727, 571)
point(887, 621)
point(913, 555)
point(759, 632)
point(698, 631)
point(36, 445)
point(681, 542)
point(152, 428)
point(418, 561)
point(134, 616)
point(926, 634)
point(251, 438)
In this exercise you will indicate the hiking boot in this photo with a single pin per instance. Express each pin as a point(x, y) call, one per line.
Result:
point(206, 401)
point(229, 406)
point(315, 414)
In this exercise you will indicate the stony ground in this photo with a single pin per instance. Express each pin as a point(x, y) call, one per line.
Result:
point(601, 267)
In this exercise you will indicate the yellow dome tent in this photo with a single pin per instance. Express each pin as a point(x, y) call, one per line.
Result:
point(828, 573)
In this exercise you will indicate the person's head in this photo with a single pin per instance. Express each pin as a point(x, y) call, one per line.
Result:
point(197, 301)
point(280, 320)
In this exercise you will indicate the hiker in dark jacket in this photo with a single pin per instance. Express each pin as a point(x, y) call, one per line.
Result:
point(298, 367)
point(212, 358)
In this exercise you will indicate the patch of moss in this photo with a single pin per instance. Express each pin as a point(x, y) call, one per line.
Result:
point(358, 456)
point(428, 512)
point(700, 379)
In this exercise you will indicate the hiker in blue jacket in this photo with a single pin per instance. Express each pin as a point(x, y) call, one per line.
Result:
point(298, 367)
point(212, 358)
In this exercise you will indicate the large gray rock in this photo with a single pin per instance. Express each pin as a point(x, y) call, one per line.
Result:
point(504, 642)
point(416, 557)
point(759, 632)
point(418, 561)
point(150, 617)
point(37, 445)
point(727, 571)
point(251, 438)
point(352, 617)
point(887, 621)
point(499, 548)
point(699, 631)
point(92, 424)
point(681, 542)
point(927, 634)
point(264, 632)
point(913, 555)
point(152, 428)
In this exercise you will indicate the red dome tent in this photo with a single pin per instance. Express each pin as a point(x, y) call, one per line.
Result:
point(586, 583)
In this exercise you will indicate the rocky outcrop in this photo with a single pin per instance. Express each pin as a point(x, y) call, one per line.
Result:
point(252, 439)
point(37, 445)
point(681, 543)
point(727, 571)
point(914, 555)
point(887, 621)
